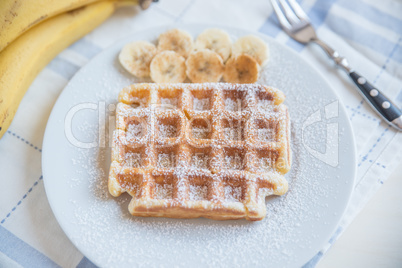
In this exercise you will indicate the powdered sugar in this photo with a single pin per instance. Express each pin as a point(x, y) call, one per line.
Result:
point(134, 131)
point(164, 191)
point(201, 104)
point(200, 160)
point(233, 105)
point(132, 160)
point(166, 160)
point(200, 132)
point(265, 164)
point(198, 192)
point(169, 102)
point(167, 131)
point(233, 194)
point(264, 104)
point(235, 161)
point(265, 134)
point(234, 133)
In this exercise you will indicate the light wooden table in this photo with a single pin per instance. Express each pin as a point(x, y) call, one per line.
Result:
point(374, 239)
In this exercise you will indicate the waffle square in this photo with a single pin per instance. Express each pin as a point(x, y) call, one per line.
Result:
point(212, 150)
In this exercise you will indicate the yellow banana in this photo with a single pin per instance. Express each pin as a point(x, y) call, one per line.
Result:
point(21, 61)
point(17, 16)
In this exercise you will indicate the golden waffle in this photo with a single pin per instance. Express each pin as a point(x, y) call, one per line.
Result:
point(210, 150)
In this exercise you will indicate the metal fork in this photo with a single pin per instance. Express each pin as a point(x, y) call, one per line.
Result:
point(297, 24)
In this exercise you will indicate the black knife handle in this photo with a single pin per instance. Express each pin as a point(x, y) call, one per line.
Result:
point(379, 101)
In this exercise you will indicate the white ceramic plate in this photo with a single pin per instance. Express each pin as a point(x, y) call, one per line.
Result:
point(297, 225)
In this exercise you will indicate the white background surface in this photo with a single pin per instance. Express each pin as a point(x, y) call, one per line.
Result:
point(374, 239)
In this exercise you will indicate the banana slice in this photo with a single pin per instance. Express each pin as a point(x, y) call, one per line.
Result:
point(176, 40)
point(204, 66)
point(168, 67)
point(253, 46)
point(241, 69)
point(216, 40)
point(136, 57)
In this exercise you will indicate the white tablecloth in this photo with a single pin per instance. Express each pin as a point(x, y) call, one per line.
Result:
point(367, 32)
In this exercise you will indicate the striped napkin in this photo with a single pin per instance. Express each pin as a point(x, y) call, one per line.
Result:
point(367, 32)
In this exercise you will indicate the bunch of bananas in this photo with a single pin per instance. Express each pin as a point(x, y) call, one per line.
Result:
point(32, 33)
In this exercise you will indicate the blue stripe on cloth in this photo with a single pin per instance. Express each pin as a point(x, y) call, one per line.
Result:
point(63, 67)
point(355, 111)
point(21, 252)
point(363, 36)
point(319, 11)
point(85, 263)
point(365, 157)
point(335, 235)
point(373, 14)
point(295, 45)
point(391, 54)
point(20, 201)
point(24, 140)
point(398, 52)
point(5, 261)
point(378, 164)
point(399, 97)
point(85, 48)
point(271, 26)
point(313, 262)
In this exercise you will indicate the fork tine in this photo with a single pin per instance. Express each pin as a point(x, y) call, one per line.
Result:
point(290, 15)
point(298, 10)
point(281, 17)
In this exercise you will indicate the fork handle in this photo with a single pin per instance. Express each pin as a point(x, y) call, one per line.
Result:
point(334, 55)
point(378, 101)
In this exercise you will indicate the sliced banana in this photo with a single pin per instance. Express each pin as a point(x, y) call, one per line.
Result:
point(216, 40)
point(242, 69)
point(176, 40)
point(168, 67)
point(253, 46)
point(204, 66)
point(136, 57)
